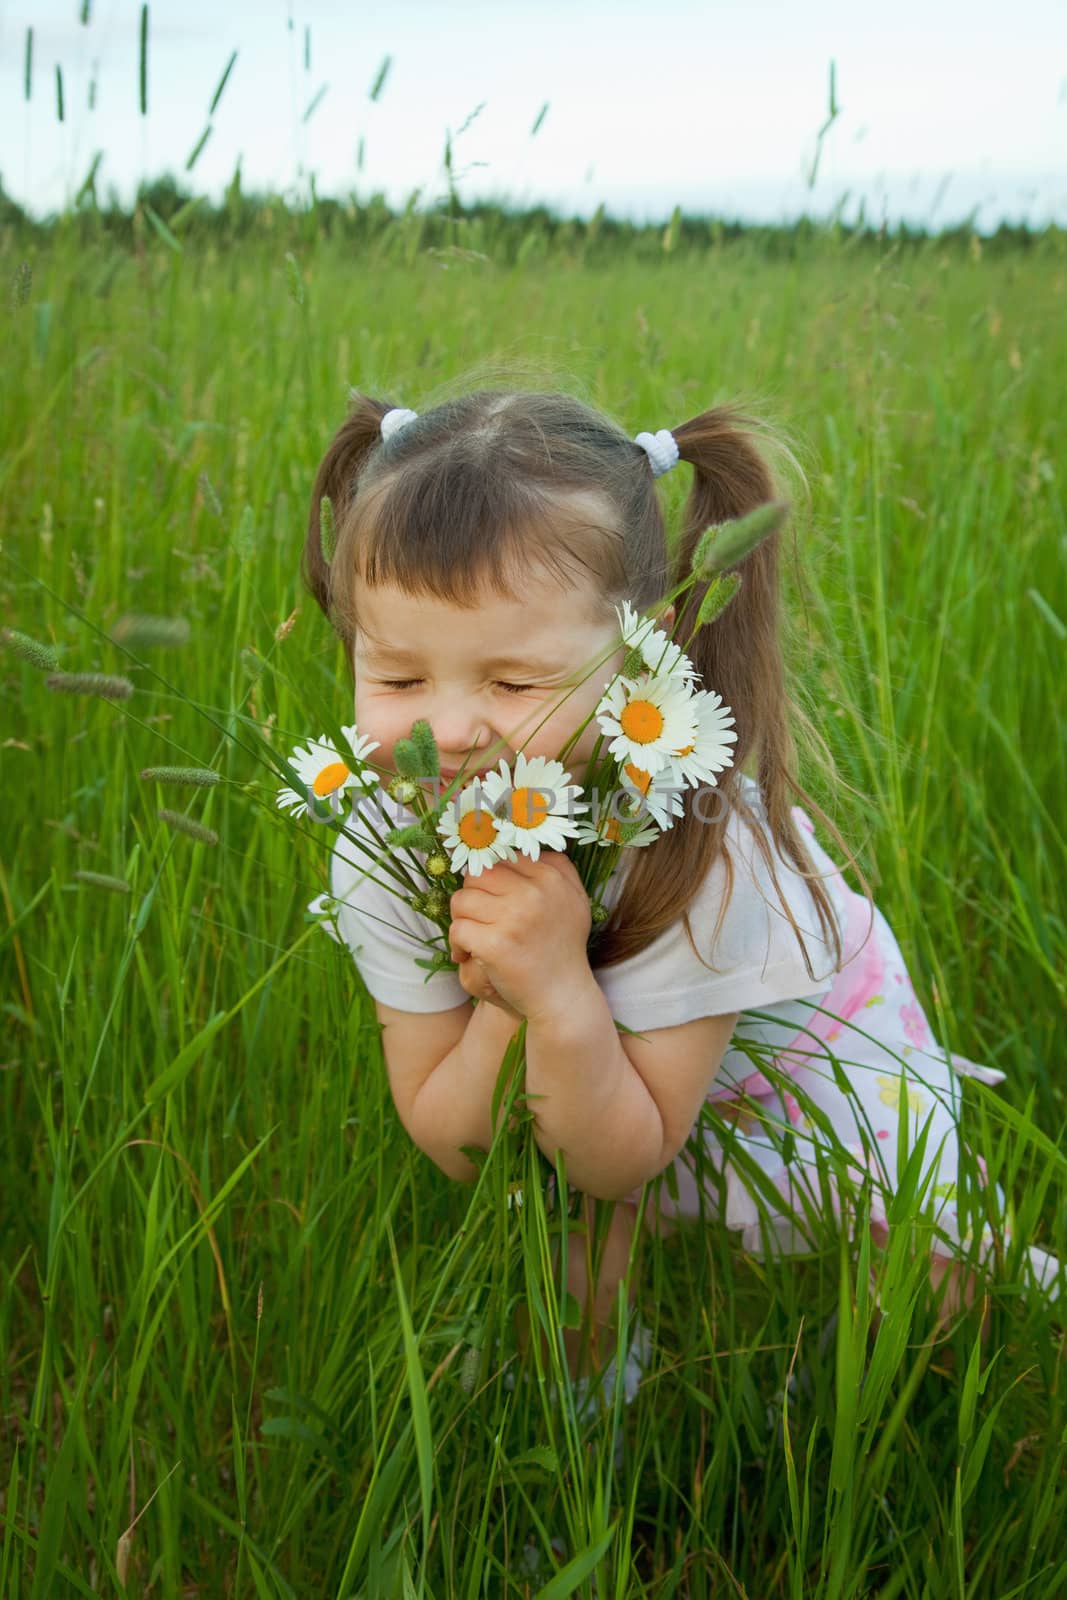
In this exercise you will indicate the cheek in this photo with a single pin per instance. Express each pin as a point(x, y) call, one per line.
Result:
point(562, 724)
point(380, 720)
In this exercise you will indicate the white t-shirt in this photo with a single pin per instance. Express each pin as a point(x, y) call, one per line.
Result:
point(757, 959)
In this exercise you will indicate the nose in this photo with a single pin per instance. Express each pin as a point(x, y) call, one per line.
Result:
point(461, 731)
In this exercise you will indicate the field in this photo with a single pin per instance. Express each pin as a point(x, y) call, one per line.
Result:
point(254, 1342)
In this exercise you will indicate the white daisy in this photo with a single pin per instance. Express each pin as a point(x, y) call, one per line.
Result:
point(610, 832)
point(697, 760)
point(471, 834)
point(661, 655)
point(536, 807)
point(662, 800)
point(325, 775)
point(647, 721)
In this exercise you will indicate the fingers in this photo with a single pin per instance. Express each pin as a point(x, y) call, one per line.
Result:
point(477, 983)
point(496, 877)
point(464, 935)
point(502, 878)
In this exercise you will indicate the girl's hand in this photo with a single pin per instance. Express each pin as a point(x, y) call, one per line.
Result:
point(519, 932)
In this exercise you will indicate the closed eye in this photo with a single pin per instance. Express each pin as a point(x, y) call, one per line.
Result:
point(409, 683)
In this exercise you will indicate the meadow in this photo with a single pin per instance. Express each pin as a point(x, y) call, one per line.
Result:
point(255, 1343)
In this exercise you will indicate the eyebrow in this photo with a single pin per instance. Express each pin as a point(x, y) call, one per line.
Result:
point(392, 653)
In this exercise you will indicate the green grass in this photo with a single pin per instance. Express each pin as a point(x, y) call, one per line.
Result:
point(254, 1341)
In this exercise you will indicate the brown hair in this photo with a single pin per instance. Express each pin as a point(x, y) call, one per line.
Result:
point(483, 489)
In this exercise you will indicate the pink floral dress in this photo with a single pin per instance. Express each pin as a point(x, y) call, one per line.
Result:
point(859, 1068)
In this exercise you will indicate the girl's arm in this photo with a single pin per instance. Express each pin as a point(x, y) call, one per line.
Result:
point(620, 1108)
point(443, 1068)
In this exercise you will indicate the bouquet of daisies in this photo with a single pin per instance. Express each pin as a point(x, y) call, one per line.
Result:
point(664, 734)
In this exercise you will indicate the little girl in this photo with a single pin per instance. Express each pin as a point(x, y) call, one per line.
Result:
point(482, 550)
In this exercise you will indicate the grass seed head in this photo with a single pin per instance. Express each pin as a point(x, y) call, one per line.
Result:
point(284, 629)
point(293, 279)
point(103, 880)
point(426, 745)
point(327, 529)
point(726, 544)
point(468, 1372)
point(21, 285)
point(109, 686)
point(244, 539)
point(207, 489)
point(137, 628)
point(198, 777)
point(718, 596)
point(183, 824)
point(44, 656)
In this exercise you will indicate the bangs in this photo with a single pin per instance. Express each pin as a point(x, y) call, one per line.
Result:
point(455, 531)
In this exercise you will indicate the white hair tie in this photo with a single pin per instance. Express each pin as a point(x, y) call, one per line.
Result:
point(661, 449)
point(396, 419)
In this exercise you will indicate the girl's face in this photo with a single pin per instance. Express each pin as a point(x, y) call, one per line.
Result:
point(490, 681)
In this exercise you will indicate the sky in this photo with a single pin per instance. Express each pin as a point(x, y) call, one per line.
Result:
point(944, 106)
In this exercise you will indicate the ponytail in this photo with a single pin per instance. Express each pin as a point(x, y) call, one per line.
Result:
point(336, 478)
point(739, 656)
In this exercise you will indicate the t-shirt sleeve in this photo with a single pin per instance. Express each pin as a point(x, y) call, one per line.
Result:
point(756, 960)
point(382, 932)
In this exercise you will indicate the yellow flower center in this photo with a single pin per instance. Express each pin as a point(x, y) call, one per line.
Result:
point(684, 752)
point(477, 828)
point(640, 780)
point(641, 721)
point(613, 831)
point(529, 808)
point(330, 778)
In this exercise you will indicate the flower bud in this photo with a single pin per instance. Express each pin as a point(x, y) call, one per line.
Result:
point(402, 789)
point(412, 837)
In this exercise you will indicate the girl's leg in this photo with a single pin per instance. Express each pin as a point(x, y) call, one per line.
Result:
point(960, 1291)
point(589, 1346)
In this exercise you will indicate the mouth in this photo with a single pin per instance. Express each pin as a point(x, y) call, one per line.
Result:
point(468, 776)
